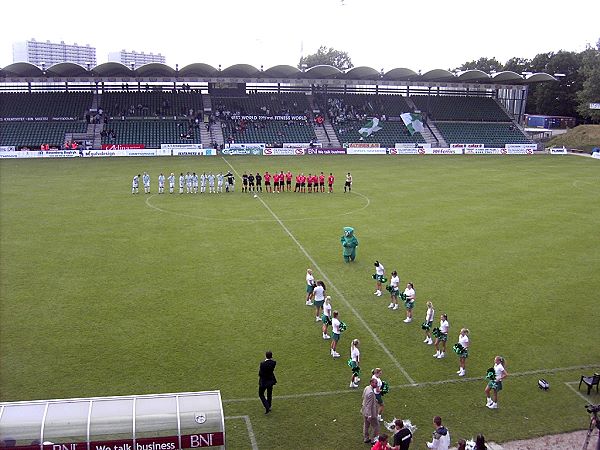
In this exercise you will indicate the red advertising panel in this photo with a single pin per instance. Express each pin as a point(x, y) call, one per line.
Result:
point(122, 146)
point(203, 440)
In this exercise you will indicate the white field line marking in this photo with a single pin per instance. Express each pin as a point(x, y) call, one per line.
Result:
point(329, 283)
point(578, 392)
point(248, 427)
point(424, 384)
point(229, 219)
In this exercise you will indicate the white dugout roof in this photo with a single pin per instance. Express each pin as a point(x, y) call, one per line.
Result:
point(185, 420)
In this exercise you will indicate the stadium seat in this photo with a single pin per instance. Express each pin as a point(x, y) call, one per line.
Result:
point(590, 382)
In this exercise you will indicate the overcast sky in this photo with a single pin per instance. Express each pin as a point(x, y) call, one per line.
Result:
point(376, 33)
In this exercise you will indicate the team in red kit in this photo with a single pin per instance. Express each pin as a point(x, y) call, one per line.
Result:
point(281, 181)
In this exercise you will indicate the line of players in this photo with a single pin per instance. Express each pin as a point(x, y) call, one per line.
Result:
point(188, 183)
point(282, 182)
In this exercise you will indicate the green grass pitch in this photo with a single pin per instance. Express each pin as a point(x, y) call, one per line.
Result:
point(107, 293)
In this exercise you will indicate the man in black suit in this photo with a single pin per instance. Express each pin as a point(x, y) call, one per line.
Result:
point(266, 380)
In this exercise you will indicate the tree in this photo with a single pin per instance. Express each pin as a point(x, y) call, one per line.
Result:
point(328, 56)
point(486, 65)
point(558, 98)
point(518, 65)
point(590, 90)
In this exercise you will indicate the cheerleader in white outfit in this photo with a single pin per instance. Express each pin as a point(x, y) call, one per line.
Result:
point(409, 302)
point(463, 341)
point(428, 322)
point(379, 276)
point(354, 363)
point(495, 385)
point(442, 336)
point(394, 292)
point(326, 317)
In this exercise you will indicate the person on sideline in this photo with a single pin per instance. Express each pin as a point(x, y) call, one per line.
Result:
point(441, 435)
point(409, 302)
point(442, 337)
point(428, 322)
point(402, 436)
point(369, 412)
point(319, 295)
point(310, 287)
point(354, 363)
point(381, 443)
point(480, 443)
point(266, 380)
point(463, 351)
point(394, 291)
point(326, 318)
point(494, 386)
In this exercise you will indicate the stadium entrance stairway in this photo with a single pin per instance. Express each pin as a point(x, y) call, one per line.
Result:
point(325, 134)
point(331, 136)
point(322, 136)
point(433, 136)
point(88, 138)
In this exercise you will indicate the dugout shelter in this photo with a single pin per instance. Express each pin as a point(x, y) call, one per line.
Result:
point(186, 420)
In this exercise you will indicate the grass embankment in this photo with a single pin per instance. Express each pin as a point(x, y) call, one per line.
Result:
point(582, 137)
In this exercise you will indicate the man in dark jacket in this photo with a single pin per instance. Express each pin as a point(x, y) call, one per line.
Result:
point(266, 380)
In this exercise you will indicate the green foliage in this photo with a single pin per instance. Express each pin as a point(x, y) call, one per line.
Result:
point(570, 95)
point(326, 56)
point(485, 64)
point(557, 98)
point(590, 90)
point(518, 65)
point(107, 293)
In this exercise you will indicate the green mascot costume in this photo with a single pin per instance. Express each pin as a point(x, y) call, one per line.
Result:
point(349, 243)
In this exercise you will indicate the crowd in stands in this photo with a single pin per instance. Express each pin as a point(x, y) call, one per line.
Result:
point(231, 113)
point(110, 134)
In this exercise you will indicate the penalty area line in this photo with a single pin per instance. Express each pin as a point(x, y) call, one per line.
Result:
point(251, 434)
point(337, 291)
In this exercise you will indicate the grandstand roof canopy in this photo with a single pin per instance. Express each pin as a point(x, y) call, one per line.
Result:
point(22, 71)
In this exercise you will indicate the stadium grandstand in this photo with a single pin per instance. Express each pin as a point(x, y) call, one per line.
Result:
point(153, 105)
